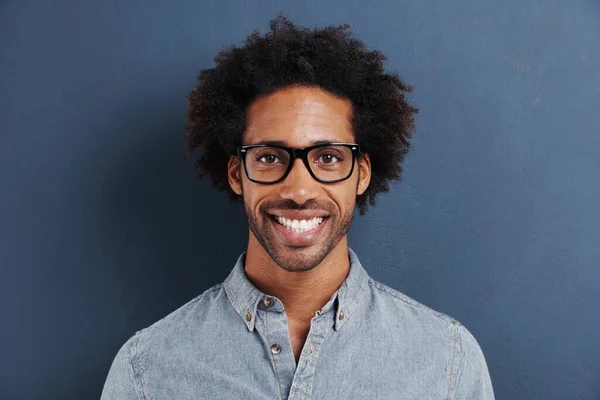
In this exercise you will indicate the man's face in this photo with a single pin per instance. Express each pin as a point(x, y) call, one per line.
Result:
point(299, 116)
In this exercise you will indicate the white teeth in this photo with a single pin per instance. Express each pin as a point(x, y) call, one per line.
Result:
point(300, 225)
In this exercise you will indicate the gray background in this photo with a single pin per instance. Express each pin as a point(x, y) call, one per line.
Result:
point(104, 227)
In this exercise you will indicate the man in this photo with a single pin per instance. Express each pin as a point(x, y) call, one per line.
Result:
point(301, 126)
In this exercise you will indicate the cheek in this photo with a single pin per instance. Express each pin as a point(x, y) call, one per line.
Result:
point(344, 196)
point(253, 198)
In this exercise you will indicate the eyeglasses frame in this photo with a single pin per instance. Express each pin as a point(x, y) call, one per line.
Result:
point(301, 153)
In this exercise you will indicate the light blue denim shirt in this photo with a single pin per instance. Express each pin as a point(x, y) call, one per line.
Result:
point(368, 342)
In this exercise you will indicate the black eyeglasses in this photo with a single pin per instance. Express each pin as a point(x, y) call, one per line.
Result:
point(327, 163)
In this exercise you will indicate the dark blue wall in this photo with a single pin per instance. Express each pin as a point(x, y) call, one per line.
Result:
point(104, 227)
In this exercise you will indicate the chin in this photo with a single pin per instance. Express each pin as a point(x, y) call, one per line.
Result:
point(298, 259)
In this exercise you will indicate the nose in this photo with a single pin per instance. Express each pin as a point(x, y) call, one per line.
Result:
point(299, 185)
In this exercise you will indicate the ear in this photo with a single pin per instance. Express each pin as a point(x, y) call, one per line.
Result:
point(364, 177)
point(234, 174)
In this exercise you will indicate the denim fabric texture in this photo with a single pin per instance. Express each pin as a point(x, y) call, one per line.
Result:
point(368, 342)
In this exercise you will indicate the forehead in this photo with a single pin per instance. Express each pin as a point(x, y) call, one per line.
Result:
point(299, 116)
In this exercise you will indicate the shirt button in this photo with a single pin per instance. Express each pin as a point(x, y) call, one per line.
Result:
point(341, 315)
point(275, 349)
point(269, 301)
point(248, 316)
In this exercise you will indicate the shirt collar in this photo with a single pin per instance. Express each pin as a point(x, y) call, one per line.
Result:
point(246, 298)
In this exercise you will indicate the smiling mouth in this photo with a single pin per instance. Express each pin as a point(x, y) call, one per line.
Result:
point(299, 226)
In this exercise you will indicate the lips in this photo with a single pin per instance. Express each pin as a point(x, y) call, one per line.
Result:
point(298, 239)
point(299, 215)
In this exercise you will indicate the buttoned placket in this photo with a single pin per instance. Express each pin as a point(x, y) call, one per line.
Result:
point(320, 326)
point(294, 381)
point(265, 317)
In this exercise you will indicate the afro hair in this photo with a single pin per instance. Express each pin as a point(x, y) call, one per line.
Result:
point(328, 58)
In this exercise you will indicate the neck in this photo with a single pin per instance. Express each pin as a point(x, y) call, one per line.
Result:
point(302, 293)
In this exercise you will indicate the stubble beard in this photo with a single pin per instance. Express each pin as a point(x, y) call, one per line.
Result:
point(301, 259)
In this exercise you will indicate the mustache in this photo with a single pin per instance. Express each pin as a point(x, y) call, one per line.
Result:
point(292, 205)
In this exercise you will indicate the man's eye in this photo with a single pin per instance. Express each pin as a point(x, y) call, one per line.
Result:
point(268, 158)
point(329, 158)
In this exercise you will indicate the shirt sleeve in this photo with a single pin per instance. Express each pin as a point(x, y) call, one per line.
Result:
point(472, 378)
point(120, 382)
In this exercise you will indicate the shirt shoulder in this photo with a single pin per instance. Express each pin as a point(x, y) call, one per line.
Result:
point(148, 347)
point(468, 375)
point(399, 302)
point(203, 310)
point(187, 310)
point(167, 338)
point(182, 324)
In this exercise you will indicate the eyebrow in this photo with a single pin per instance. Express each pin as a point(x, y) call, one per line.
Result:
point(282, 143)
